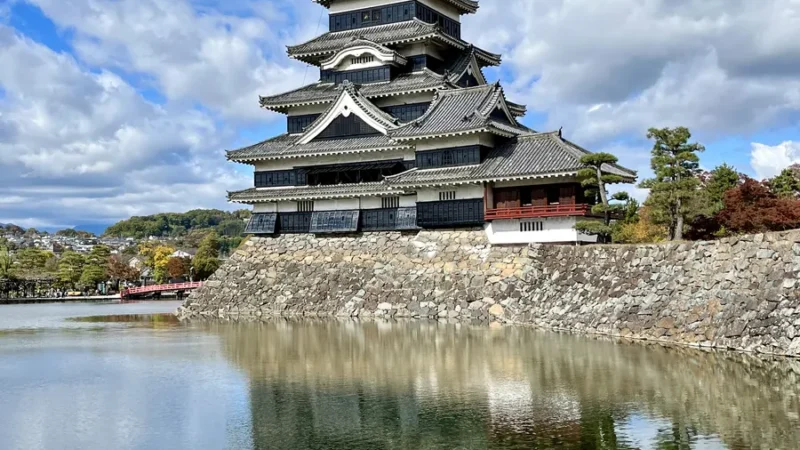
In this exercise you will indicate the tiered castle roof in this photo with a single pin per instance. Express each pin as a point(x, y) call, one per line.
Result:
point(415, 30)
point(455, 110)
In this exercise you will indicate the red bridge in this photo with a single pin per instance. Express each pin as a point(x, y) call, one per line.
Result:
point(156, 290)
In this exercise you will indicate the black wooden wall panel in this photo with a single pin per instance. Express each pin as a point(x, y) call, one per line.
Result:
point(342, 126)
point(449, 157)
point(296, 124)
point(280, 178)
point(453, 213)
point(398, 12)
point(294, 222)
point(407, 113)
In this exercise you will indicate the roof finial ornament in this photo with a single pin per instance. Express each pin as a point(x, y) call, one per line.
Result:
point(560, 134)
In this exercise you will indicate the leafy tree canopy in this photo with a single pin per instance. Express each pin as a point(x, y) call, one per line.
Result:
point(180, 224)
point(787, 184)
point(206, 261)
point(753, 208)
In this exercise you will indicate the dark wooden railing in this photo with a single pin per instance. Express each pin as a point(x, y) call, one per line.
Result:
point(528, 212)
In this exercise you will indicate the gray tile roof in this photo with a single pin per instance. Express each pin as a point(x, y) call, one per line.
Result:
point(461, 111)
point(284, 146)
point(291, 193)
point(319, 93)
point(390, 34)
point(465, 6)
point(527, 156)
point(287, 146)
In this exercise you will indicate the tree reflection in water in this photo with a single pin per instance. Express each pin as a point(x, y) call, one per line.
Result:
point(372, 385)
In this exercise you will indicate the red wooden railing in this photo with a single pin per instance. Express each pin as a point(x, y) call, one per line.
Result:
point(160, 288)
point(527, 212)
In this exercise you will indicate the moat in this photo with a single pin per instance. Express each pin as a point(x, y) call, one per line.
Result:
point(133, 377)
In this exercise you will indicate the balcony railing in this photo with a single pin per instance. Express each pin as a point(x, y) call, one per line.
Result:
point(529, 212)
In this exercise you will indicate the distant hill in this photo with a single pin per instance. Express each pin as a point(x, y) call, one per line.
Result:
point(180, 224)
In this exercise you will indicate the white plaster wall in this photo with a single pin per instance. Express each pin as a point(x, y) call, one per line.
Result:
point(555, 230)
point(371, 202)
point(348, 64)
point(349, 5)
point(421, 48)
point(408, 201)
point(463, 192)
point(265, 208)
point(337, 204)
point(286, 164)
point(485, 139)
point(287, 206)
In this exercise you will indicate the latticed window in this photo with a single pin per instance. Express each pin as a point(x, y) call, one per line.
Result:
point(390, 202)
point(364, 59)
point(305, 206)
point(531, 226)
point(447, 195)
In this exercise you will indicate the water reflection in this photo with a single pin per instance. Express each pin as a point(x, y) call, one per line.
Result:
point(140, 320)
point(422, 385)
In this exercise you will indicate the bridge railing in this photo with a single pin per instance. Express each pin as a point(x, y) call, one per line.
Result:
point(161, 288)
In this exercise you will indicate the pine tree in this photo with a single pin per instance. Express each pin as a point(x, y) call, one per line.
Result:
point(674, 189)
point(596, 182)
point(70, 268)
point(787, 184)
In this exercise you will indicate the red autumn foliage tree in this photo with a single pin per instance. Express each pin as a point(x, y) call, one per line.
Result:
point(177, 267)
point(753, 208)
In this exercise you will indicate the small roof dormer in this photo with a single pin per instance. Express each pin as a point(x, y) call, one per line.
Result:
point(363, 117)
point(362, 53)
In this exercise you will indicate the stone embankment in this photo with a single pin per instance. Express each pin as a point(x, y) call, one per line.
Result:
point(738, 293)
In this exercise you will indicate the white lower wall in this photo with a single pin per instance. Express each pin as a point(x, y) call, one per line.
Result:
point(553, 230)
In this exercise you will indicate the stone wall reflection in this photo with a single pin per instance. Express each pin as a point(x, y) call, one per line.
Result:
point(418, 384)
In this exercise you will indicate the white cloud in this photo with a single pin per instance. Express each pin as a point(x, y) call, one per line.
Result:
point(768, 161)
point(82, 137)
point(80, 145)
point(720, 67)
point(223, 61)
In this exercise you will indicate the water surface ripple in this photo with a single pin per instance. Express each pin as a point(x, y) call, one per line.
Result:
point(116, 376)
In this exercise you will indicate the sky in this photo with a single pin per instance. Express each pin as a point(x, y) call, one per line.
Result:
point(115, 108)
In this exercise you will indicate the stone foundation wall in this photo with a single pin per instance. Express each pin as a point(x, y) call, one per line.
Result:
point(741, 293)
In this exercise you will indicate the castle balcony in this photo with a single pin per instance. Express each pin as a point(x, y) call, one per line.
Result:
point(537, 202)
point(536, 212)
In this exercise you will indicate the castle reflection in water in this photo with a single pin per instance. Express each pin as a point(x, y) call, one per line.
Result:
point(427, 385)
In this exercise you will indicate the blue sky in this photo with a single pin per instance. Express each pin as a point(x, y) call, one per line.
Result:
point(113, 108)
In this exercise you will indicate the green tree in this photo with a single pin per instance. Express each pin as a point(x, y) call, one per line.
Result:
point(720, 180)
point(206, 261)
point(673, 189)
point(596, 181)
point(32, 261)
point(787, 184)
point(95, 270)
point(5, 259)
point(70, 268)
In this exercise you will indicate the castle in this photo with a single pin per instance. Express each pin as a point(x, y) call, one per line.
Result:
point(403, 132)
